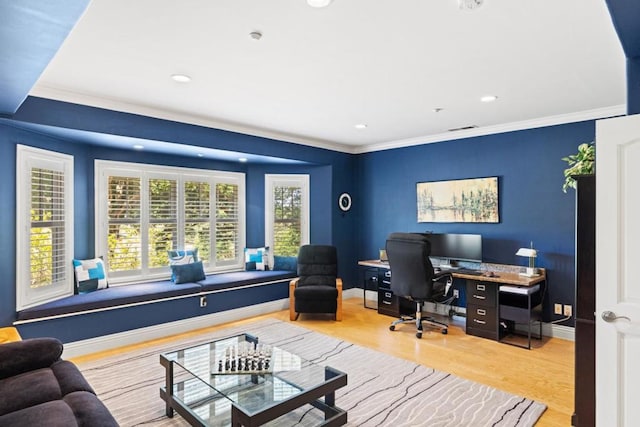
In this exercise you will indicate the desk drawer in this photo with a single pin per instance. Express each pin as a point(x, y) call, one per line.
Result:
point(388, 303)
point(482, 321)
point(484, 294)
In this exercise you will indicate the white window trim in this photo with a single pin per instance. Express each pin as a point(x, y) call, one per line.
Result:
point(104, 168)
point(26, 158)
point(279, 180)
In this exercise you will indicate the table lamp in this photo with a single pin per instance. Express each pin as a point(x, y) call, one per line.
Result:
point(531, 254)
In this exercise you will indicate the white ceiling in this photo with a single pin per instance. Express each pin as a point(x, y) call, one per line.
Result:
point(315, 73)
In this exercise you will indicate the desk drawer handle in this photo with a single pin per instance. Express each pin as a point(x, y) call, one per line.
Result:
point(480, 287)
point(479, 296)
point(388, 294)
point(386, 302)
point(482, 322)
point(481, 312)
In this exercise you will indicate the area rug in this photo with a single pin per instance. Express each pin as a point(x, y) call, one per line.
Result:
point(382, 390)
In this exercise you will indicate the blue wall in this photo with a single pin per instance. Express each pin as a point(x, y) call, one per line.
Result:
point(532, 205)
point(325, 168)
point(382, 184)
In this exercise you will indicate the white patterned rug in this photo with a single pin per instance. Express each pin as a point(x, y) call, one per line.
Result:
point(382, 390)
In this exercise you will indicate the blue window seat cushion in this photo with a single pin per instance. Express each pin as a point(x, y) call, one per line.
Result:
point(113, 296)
point(143, 292)
point(243, 278)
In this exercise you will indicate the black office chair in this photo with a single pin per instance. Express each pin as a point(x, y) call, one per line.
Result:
point(317, 289)
point(413, 277)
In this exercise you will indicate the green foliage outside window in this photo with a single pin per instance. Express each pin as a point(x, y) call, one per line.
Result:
point(287, 227)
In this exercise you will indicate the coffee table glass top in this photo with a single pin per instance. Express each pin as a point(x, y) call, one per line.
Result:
point(253, 376)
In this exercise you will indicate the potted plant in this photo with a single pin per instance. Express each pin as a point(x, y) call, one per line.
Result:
point(581, 163)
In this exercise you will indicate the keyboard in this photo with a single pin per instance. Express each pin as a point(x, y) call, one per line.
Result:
point(468, 272)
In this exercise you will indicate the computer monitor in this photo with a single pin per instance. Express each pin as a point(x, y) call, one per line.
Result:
point(456, 247)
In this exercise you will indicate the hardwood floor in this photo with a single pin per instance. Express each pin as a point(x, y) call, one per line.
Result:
point(544, 373)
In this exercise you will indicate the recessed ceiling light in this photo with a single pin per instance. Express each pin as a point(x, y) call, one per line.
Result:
point(138, 147)
point(360, 126)
point(470, 4)
point(488, 98)
point(255, 35)
point(242, 159)
point(437, 110)
point(319, 3)
point(181, 78)
point(200, 155)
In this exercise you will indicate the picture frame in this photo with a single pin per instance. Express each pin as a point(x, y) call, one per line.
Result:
point(460, 200)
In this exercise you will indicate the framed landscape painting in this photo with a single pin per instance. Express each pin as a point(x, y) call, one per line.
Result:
point(460, 200)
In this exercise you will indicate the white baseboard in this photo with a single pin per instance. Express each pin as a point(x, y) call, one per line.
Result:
point(135, 336)
point(107, 342)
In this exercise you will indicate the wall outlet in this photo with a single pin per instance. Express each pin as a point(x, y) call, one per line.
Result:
point(567, 310)
point(557, 308)
point(456, 293)
point(203, 301)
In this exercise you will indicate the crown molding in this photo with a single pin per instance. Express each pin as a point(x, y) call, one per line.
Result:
point(126, 107)
point(114, 104)
point(579, 116)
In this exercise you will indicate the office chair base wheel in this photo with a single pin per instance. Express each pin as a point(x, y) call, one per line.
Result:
point(445, 332)
point(451, 313)
point(392, 327)
point(418, 334)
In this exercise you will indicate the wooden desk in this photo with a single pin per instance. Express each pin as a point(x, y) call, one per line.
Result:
point(482, 292)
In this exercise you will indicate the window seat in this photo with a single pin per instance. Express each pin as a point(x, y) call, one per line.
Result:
point(117, 296)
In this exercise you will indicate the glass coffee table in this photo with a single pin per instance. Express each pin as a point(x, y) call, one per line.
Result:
point(237, 381)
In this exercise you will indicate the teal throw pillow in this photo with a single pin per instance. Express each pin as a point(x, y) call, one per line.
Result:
point(286, 263)
point(187, 273)
point(90, 275)
point(256, 258)
point(181, 257)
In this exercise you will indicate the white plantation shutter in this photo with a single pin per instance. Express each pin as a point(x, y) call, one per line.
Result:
point(228, 247)
point(163, 220)
point(286, 213)
point(197, 224)
point(44, 226)
point(124, 226)
point(142, 211)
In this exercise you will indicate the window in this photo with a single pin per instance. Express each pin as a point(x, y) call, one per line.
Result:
point(143, 211)
point(44, 226)
point(286, 213)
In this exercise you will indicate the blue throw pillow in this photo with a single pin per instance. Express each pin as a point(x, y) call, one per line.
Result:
point(187, 273)
point(181, 257)
point(286, 263)
point(90, 275)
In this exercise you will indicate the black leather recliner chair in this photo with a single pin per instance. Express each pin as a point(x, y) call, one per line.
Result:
point(318, 288)
point(413, 277)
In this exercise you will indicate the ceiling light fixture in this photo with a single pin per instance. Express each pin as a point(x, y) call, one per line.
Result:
point(181, 78)
point(138, 147)
point(437, 109)
point(360, 126)
point(469, 4)
point(488, 98)
point(242, 159)
point(200, 155)
point(319, 3)
point(255, 35)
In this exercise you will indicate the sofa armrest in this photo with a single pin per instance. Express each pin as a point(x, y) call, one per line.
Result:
point(27, 355)
point(292, 299)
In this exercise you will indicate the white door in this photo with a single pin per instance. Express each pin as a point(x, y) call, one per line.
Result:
point(618, 271)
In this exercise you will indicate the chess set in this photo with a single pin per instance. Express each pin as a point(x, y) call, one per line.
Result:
point(244, 358)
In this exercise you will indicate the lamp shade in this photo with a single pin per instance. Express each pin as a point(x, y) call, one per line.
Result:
point(528, 252)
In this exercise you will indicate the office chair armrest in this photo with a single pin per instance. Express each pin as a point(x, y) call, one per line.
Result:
point(442, 276)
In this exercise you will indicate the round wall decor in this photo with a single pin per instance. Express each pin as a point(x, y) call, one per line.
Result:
point(344, 202)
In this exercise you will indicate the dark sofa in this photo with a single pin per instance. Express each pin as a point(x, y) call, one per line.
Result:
point(37, 388)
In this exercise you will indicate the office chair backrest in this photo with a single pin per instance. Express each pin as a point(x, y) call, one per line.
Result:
point(411, 269)
point(317, 265)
